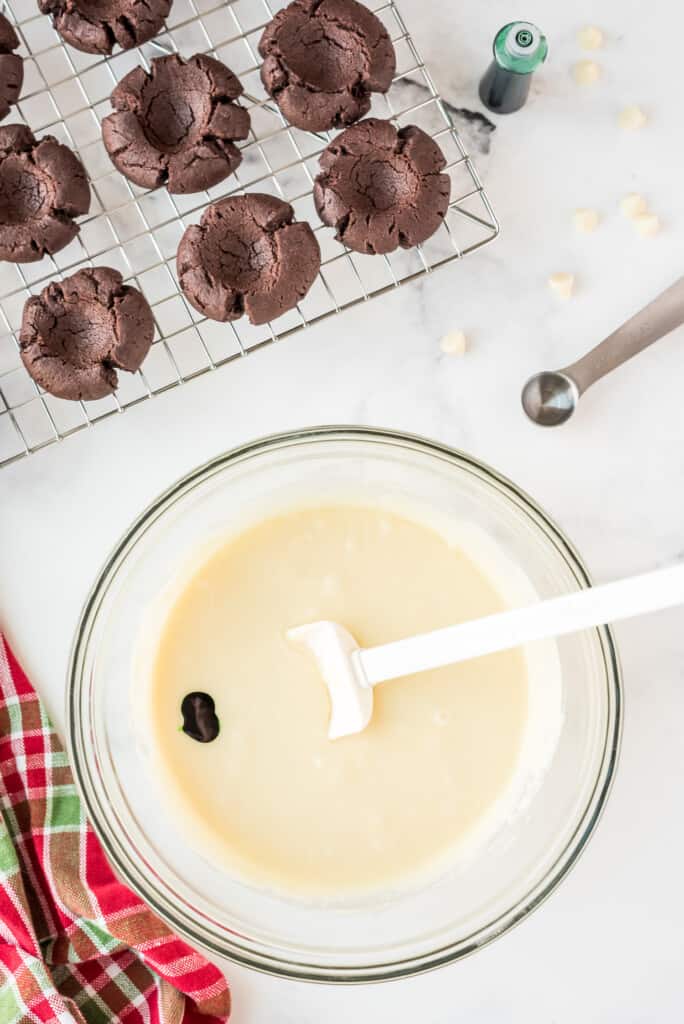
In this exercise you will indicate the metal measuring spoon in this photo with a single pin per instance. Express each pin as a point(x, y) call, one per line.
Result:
point(550, 398)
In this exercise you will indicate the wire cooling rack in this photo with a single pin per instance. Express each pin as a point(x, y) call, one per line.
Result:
point(66, 94)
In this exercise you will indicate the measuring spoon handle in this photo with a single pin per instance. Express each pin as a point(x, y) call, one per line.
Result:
point(652, 322)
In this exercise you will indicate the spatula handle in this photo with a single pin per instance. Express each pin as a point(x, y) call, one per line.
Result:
point(559, 616)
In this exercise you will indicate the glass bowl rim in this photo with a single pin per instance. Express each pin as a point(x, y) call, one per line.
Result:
point(226, 944)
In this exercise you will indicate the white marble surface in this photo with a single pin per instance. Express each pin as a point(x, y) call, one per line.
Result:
point(608, 945)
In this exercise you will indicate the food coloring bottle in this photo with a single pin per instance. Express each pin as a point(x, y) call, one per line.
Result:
point(519, 49)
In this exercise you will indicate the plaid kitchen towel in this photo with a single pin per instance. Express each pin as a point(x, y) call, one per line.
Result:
point(76, 946)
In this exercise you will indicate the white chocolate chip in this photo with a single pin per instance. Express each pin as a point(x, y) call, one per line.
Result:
point(586, 72)
point(586, 220)
point(633, 205)
point(454, 343)
point(632, 118)
point(647, 224)
point(562, 284)
point(590, 37)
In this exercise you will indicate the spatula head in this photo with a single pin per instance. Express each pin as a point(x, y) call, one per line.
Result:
point(335, 651)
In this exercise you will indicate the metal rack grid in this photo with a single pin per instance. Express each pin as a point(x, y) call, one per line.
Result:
point(66, 94)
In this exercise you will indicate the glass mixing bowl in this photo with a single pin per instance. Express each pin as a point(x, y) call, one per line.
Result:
point(371, 939)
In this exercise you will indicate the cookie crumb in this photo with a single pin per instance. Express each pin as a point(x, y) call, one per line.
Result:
point(590, 37)
point(647, 224)
point(563, 284)
point(632, 118)
point(586, 72)
point(454, 343)
point(586, 220)
point(633, 205)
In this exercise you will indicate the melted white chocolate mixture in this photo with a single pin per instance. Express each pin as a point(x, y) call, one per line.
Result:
point(272, 800)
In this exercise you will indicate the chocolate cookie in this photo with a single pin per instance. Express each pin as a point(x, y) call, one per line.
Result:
point(322, 61)
point(43, 186)
point(382, 188)
point(175, 124)
point(11, 67)
point(247, 256)
point(96, 26)
point(78, 331)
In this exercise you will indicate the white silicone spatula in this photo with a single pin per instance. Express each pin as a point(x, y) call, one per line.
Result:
point(350, 672)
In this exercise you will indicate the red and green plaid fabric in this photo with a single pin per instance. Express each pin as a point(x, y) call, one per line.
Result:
point(76, 946)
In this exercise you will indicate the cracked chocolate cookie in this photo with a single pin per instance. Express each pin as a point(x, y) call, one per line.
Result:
point(176, 124)
point(11, 67)
point(247, 256)
point(96, 26)
point(381, 188)
point(78, 332)
point(43, 186)
point(322, 61)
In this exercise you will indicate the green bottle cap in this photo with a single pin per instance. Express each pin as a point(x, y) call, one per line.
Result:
point(520, 47)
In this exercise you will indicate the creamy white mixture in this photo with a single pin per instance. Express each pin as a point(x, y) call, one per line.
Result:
point(450, 755)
